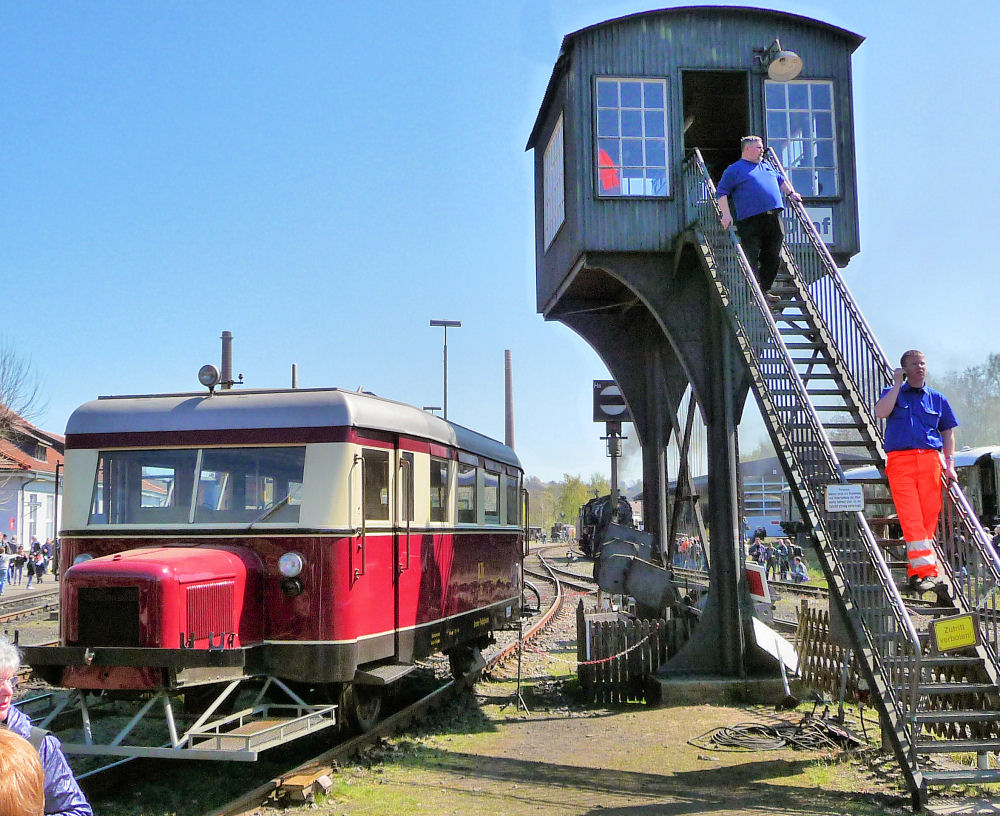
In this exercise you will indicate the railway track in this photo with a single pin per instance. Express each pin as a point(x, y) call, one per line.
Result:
point(299, 781)
point(23, 607)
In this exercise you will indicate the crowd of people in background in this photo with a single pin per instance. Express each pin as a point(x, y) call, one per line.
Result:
point(688, 553)
point(781, 559)
point(18, 562)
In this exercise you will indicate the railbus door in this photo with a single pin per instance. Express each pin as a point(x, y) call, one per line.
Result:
point(401, 555)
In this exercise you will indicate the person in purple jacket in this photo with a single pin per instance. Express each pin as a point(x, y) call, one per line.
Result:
point(62, 793)
point(755, 188)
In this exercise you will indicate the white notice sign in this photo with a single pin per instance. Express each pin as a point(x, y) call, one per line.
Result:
point(844, 498)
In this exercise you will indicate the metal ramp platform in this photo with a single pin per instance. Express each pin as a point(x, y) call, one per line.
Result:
point(233, 737)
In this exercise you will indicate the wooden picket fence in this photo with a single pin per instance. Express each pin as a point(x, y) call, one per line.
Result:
point(821, 662)
point(617, 655)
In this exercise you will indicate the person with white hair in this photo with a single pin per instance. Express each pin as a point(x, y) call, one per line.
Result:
point(62, 793)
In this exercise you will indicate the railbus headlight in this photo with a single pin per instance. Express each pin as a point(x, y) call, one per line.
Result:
point(82, 558)
point(291, 564)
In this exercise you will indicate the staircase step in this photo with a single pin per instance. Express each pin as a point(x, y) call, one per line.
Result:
point(844, 409)
point(964, 775)
point(964, 746)
point(940, 689)
point(965, 716)
point(815, 392)
point(936, 661)
point(851, 443)
point(806, 344)
point(928, 611)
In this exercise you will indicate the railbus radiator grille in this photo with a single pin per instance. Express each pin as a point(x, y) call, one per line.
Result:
point(210, 609)
point(108, 616)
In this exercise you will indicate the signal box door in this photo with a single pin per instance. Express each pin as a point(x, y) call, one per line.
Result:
point(716, 108)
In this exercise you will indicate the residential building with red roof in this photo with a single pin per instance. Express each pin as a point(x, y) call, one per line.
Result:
point(31, 460)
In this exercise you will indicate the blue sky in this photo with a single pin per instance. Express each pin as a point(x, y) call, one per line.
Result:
point(322, 178)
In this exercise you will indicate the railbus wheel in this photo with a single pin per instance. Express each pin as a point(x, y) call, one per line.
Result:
point(463, 660)
point(361, 706)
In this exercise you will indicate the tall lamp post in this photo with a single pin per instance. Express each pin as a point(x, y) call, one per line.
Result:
point(446, 324)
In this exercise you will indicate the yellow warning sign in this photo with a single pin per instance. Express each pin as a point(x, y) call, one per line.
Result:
point(958, 632)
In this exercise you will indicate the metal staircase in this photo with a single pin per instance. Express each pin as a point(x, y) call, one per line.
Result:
point(816, 371)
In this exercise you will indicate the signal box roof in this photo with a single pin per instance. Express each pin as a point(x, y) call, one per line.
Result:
point(853, 40)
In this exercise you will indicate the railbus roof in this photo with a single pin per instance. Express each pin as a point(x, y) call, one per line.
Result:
point(299, 408)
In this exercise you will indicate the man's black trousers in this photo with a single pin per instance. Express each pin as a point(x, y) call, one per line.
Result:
point(762, 236)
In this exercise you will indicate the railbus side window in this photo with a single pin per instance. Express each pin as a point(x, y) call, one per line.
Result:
point(439, 489)
point(513, 500)
point(465, 496)
point(376, 490)
point(491, 497)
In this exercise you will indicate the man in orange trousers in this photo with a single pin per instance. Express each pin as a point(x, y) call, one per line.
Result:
point(919, 428)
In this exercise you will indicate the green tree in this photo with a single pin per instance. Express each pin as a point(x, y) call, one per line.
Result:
point(974, 393)
point(598, 485)
point(571, 496)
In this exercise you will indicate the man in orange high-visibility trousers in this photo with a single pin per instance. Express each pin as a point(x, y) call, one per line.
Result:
point(919, 428)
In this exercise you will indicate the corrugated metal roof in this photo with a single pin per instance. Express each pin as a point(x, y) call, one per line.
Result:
point(854, 40)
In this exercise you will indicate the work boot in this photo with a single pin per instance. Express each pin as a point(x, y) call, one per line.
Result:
point(921, 585)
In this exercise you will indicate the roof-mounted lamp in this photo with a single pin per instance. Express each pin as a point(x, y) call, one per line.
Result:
point(208, 376)
point(781, 65)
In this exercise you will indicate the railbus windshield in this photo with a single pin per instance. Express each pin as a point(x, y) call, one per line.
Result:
point(198, 486)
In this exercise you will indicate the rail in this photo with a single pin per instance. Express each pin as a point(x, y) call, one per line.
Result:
point(858, 351)
point(848, 545)
point(969, 558)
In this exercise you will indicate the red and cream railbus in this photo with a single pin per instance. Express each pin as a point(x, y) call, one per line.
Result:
point(320, 540)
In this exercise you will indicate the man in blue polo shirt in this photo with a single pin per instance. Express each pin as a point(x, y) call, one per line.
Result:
point(920, 426)
point(756, 190)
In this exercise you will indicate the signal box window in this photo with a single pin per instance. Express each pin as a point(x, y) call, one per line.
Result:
point(465, 495)
point(439, 489)
point(376, 491)
point(800, 129)
point(513, 500)
point(553, 184)
point(631, 128)
point(491, 497)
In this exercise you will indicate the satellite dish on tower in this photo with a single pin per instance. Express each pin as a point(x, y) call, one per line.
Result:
point(785, 66)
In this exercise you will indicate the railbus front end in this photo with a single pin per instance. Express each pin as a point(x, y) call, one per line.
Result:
point(309, 545)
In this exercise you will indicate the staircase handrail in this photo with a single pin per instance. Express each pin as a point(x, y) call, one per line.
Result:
point(871, 373)
point(700, 182)
point(835, 470)
point(870, 370)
